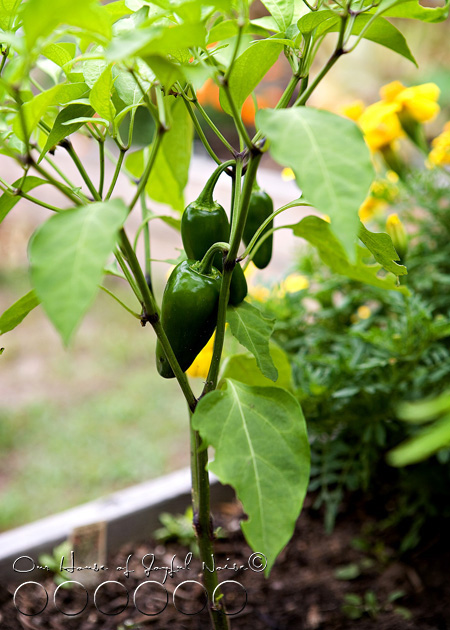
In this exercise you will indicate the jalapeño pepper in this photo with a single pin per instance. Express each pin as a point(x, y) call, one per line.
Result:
point(260, 208)
point(188, 313)
point(205, 222)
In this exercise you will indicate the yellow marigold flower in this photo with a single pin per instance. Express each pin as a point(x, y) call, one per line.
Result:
point(440, 153)
point(370, 208)
point(287, 174)
point(390, 91)
point(293, 283)
point(364, 312)
point(200, 366)
point(353, 110)
point(380, 125)
point(392, 177)
point(419, 101)
point(259, 293)
point(397, 232)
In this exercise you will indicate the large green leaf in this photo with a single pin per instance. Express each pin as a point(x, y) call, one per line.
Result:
point(60, 53)
point(282, 11)
point(243, 368)
point(8, 9)
point(62, 127)
point(248, 70)
point(171, 168)
point(261, 449)
point(16, 313)
point(253, 330)
point(330, 159)
point(8, 201)
point(67, 255)
point(37, 107)
point(317, 232)
point(40, 18)
point(382, 249)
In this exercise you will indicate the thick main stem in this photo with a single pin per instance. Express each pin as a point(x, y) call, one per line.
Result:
point(204, 528)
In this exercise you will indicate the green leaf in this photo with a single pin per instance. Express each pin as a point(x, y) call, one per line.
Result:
point(61, 129)
point(170, 171)
point(382, 249)
point(60, 53)
point(37, 107)
point(165, 70)
point(67, 255)
point(8, 10)
point(156, 40)
point(307, 23)
point(100, 95)
point(380, 32)
point(8, 201)
point(248, 70)
point(261, 449)
point(330, 159)
point(281, 10)
point(126, 87)
point(41, 18)
point(243, 368)
point(253, 330)
point(16, 313)
point(318, 232)
point(413, 10)
point(430, 441)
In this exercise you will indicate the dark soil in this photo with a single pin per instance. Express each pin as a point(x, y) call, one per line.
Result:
point(306, 590)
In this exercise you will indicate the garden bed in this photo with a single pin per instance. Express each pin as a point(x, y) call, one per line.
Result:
point(312, 580)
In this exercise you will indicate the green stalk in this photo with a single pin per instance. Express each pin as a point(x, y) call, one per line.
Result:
point(76, 160)
point(119, 301)
point(207, 260)
point(212, 125)
point(203, 525)
point(200, 132)
point(101, 148)
point(159, 132)
point(56, 183)
point(237, 117)
point(206, 196)
point(152, 315)
point(116, 174)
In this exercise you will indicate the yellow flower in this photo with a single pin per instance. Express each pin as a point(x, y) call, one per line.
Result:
point(259, 293)
point(440, 153)
point(380, 124)
point(392, 177)
point(293, 283)
point(397, 232)
point(200, 366)
point(364, 312)
point(419, 101)
point(353, 110)
point(287, 174)
point(326, 218)
point(371, 207)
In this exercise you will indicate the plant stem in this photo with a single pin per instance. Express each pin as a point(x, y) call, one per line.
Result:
point(237, 117)
point(151, 315)
point(204, 527)
point(76, 160)
point(146, 229)
point(56, 183)
point(159, 132)
point(200, 132)
point(116, 174)
point(212, 125)
point(207, 260)
point(110, 293)
point(101, 148)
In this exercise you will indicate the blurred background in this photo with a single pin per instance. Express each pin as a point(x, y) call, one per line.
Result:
point(78, 423)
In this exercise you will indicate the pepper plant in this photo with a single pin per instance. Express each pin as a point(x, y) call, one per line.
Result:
point(98, 69)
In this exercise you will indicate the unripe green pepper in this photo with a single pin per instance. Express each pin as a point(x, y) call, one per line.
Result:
point(188, 313)
point(260, 208)
point(205, 222)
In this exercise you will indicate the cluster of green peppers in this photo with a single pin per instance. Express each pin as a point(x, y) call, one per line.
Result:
point(191, 296)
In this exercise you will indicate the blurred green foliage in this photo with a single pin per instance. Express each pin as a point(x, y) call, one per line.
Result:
point(357, 352)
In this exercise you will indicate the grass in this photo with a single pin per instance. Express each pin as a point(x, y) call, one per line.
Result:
point(79, 423)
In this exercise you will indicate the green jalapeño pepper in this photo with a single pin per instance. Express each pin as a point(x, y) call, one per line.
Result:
point(205, 222)
point(188, 313)
point(260, 208)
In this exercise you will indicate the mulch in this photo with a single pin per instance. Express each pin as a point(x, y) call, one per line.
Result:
point(308, 587)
